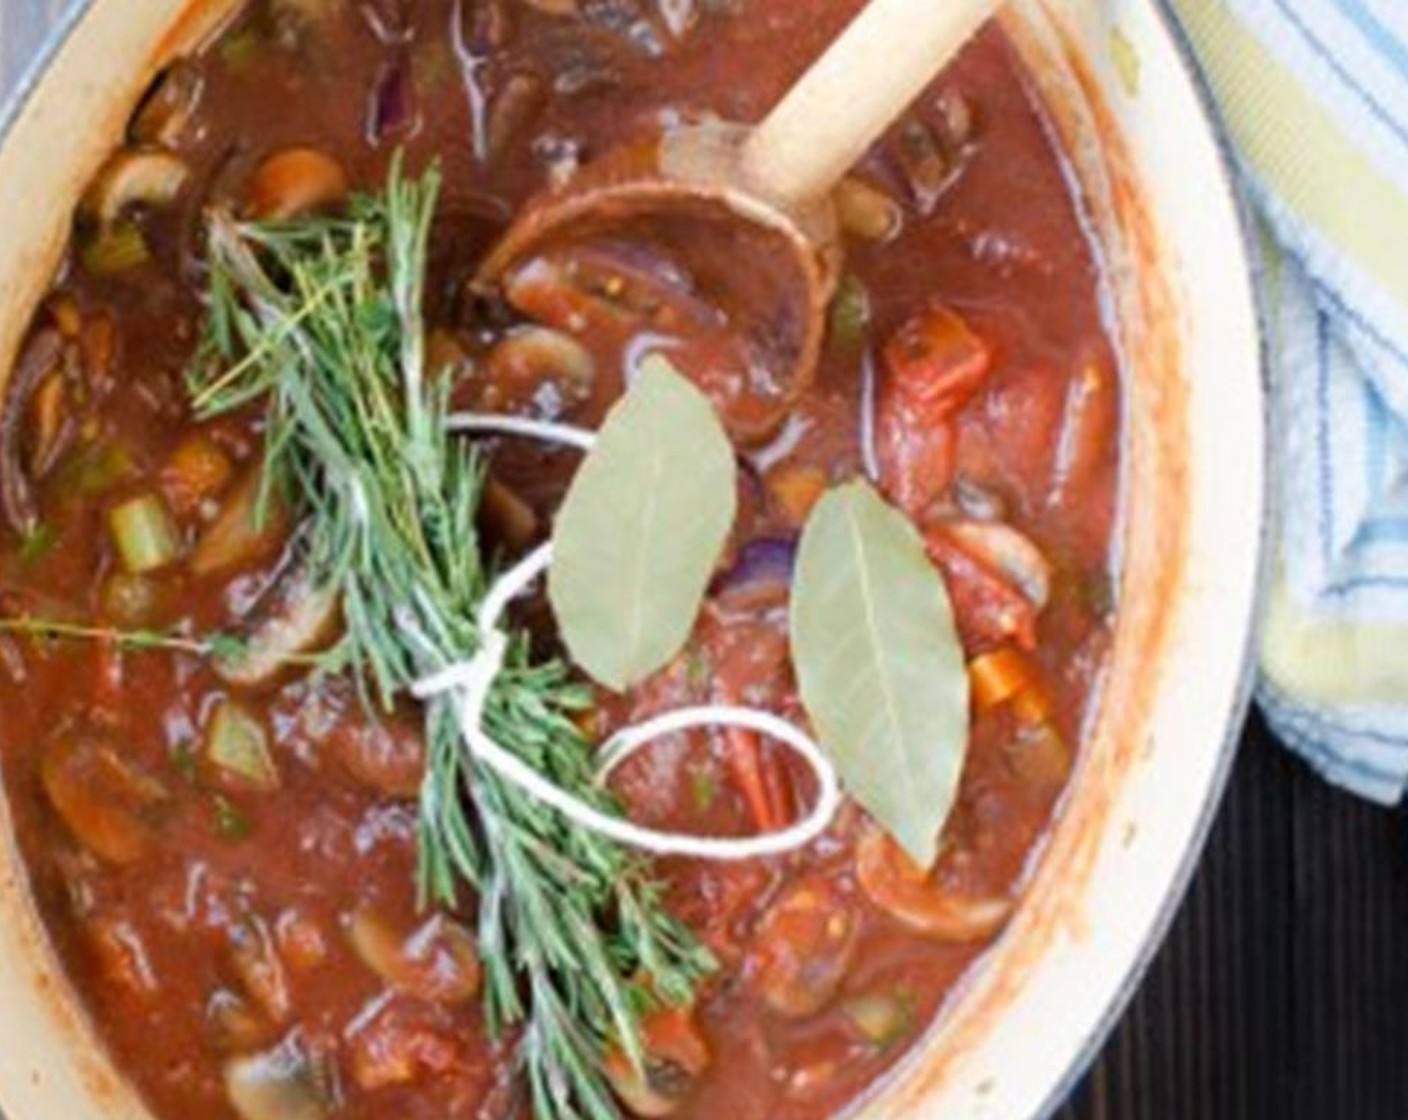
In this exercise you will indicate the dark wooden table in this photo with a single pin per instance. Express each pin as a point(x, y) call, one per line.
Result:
point(1282, 990)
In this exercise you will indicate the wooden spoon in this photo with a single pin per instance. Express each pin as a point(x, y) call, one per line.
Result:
point(758, 199)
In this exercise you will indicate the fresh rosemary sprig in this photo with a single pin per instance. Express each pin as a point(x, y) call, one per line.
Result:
point(322, 319)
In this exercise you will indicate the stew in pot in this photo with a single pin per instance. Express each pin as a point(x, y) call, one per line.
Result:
point(280, 893)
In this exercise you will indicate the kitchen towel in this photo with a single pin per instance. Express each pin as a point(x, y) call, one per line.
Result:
point(1314, 95)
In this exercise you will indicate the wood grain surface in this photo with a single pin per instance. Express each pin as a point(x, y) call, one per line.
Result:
point(1282, 990)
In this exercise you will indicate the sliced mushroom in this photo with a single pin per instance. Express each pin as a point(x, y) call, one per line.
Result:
point(956, 117)
point(120, 954)
point(104, 799)
point(804, 947)
point(233, 1023)
point(165, 114)
point(541, 366)
point(675, 1055)
point(278, 1084)
point(680, 16)
point(132, 177)
point(399, 1047)
point(505, 517)
point(41, 358)
point(1009, 552)
point(920, 900)
point(923, 163)
point(436, 962)
point(990, 608)
point(386, 755)
point(866, 211)
point(302, 945)
point(255, 962)
point(583, 61)
point(513, 110)
point(305, 620)
point(48, 422)
point(626, 20)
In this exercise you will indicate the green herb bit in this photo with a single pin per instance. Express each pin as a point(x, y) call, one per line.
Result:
point(239, 48)
point(850, 314)
point(36, 543)
point(97, 468)
point(117, 248)
point(183, 761)
point(321, 318)
point(697, 669)
point(228, 819)
point(703, 788)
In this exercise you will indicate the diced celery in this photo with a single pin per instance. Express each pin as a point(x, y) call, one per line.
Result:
point(116, 249)
point(882, 1018)
point(144, 533)
point(237, 743)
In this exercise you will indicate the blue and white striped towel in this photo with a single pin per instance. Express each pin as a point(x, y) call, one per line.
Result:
point(1315, 96)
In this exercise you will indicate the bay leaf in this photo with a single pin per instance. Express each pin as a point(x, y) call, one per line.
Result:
point(880, 664)
point(642, 528)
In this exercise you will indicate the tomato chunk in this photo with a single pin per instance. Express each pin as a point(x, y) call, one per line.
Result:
point(935, 361)
point(921, 900)
point(935, 364)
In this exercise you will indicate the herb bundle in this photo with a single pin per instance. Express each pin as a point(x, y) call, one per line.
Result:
point(321, 320)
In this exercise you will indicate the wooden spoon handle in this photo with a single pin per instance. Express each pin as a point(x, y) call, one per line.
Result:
point(867, 77)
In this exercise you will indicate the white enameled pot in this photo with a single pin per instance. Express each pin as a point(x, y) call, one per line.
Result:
point(1125, 104)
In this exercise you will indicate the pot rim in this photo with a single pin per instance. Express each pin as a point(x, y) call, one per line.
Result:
point(74, 12)
point(1213, 797)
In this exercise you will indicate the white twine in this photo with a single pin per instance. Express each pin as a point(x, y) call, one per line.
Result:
point(472, 680)
point(492, 425)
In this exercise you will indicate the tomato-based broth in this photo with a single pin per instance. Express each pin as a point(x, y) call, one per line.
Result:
point(228, 862)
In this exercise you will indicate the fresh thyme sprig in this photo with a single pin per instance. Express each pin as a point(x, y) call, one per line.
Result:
point(322, 319)
point(218, 645)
